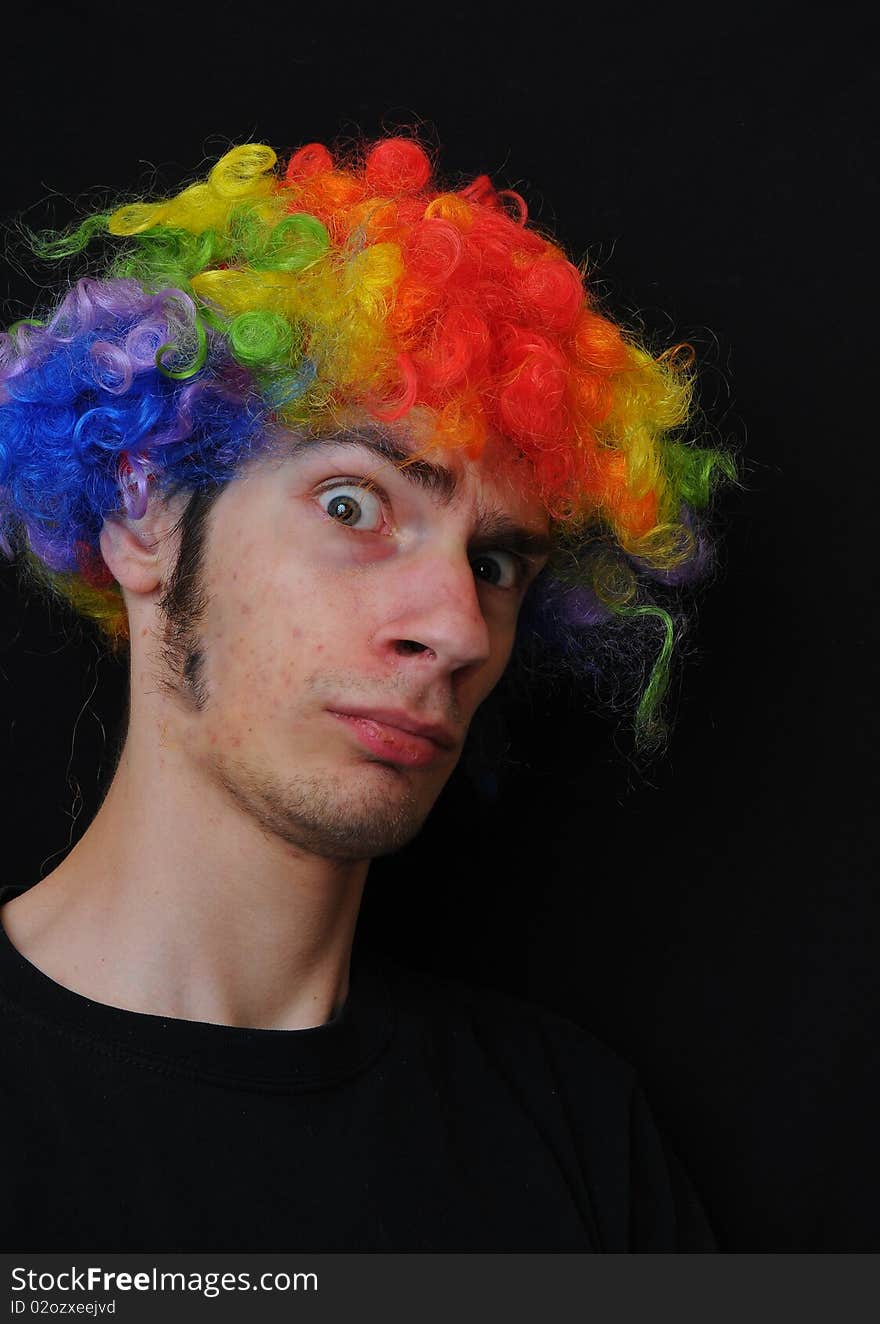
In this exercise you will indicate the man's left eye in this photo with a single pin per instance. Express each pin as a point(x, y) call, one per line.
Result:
point(355, 507)
point(503, 569)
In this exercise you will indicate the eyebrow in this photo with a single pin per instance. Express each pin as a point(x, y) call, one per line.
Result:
point(495, 530)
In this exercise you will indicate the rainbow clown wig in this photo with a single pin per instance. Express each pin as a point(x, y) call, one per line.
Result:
point(281, 296)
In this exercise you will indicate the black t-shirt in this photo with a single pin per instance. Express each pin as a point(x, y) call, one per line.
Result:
point(426, 1116)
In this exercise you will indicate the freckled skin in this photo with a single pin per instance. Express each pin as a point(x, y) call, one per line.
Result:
point(394, 617)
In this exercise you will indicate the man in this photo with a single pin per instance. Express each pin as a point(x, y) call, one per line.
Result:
point(306, 449)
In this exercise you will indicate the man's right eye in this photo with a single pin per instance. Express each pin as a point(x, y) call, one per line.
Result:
point(352, 505)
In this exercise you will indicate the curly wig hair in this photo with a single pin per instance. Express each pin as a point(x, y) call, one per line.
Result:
point(275, 296)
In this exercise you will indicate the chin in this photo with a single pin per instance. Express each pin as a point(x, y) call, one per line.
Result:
point(347, 836)
point(358, 812)
point(365, 821)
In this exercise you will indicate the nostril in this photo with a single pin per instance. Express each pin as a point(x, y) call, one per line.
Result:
point(410, 646)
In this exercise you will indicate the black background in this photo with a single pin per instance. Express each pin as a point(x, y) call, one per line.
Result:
point(714, 920)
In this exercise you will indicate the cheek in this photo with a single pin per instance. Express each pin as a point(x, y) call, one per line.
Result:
point(480, 685)
point(286, 630)
point(261, 631)
point(501, 649)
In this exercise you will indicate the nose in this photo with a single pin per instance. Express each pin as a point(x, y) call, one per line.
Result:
point(436, 618)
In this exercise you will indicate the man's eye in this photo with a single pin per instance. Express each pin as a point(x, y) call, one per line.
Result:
point(501, 569)
point(354, 506)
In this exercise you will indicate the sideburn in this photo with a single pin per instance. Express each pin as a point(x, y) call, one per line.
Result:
point(184, 602)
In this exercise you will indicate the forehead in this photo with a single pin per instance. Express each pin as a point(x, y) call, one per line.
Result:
point(497, 481)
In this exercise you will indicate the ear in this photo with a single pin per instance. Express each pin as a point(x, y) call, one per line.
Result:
point(138, 553)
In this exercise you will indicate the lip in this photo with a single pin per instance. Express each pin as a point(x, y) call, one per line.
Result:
point(383, 731)
point(403, 721)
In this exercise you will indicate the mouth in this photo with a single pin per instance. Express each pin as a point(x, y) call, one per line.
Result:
point(393, 744)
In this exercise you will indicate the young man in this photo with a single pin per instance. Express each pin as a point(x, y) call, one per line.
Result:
point(306, 449)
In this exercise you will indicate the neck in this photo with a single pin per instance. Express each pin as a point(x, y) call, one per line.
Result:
point(178, 902)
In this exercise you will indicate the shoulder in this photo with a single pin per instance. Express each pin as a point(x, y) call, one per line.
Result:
point(584, 1097)
point(523, 1037)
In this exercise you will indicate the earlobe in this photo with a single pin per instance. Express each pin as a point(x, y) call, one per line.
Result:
point(131, 556)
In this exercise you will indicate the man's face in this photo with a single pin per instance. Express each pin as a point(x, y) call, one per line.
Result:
point(346, 601)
